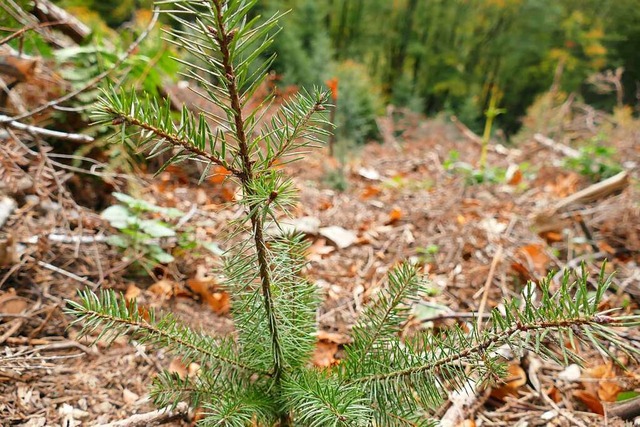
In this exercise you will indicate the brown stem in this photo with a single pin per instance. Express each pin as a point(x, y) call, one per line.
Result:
point(171, 139)
point(224, 38)
point(483, 346)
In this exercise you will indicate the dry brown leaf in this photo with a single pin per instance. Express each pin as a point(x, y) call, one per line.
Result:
point(228, 194)
point(609, 391)
point(369, 192)
point(605, 247)
point(219, 302)
point(516, 378)
point(10, 303)
point(554, 394)
point(590, 401)
point(324, 354)
point(177, 367)
point(515, 178)
point(318, 249)
point(536, 254)
point(552, 236)
point(132, 292)
point(565, 185)
point(207, 289)
point(396, 214)
point(219, 174)
point(163, 288)
point(607, 388)
point(199, 414)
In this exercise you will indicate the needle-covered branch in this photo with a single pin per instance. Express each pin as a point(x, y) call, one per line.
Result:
point(117, 316)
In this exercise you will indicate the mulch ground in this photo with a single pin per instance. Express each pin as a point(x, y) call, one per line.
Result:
point(477, 244)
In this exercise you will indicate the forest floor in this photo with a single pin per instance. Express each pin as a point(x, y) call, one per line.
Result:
point(408, 198)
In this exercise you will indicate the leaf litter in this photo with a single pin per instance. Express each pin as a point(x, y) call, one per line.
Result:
point(400, 203)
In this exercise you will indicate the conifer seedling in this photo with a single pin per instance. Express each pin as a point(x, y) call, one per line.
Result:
point(262, 375)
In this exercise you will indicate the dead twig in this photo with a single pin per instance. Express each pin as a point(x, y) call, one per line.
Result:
point(487, 284)
point(68, 274)
point(472, 316)
point(159, 416)
point(544, 219)
point(627, 410)
point(8, 121)
point(556, 146)
point(23, 30)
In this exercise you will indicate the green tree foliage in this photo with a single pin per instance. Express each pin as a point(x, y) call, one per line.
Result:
point(261, 375)
point(448, 54)
point(303, 46)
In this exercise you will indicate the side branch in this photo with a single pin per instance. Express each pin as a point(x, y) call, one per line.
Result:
point(174, 140)
point(295, 134)
point(486, 344)
point(152, 330)
point(159, 416)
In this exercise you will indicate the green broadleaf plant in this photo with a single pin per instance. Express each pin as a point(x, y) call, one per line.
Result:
point(137, 233)
point(262, 375)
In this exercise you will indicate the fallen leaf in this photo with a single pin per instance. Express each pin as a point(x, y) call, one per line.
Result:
point(516, 378)
point(219, 302)
point(129, 397)
point(10, 303)
point(163, 288)
point(565, 185)
point(590, 401)
point(369, 192)
point(554, 394)
point(207, 289)
point(318, 249)
point(324, 354)
point(608, 388)
point(514, 175)
point(536, 257)
point(219, 174)
point(608, 391)
point(199, 414)
point(228, 194)
point(395, 215)
point(341, 237)
point(552, 236)
point(605, 247)
point(132, 292)
point(325, 204)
